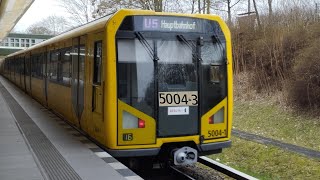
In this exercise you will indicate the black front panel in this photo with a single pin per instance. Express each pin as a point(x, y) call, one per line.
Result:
point(177, 78)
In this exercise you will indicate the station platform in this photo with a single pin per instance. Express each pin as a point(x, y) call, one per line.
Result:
point(35, 144)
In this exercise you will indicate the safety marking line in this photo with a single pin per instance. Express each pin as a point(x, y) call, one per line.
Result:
point(102, 154)
point(109, 160)
point(133, 177)
point(86, 141)
point(96, 149)
point(126, 172)
point(79, 138)
point(77, 134)
point(91, 145)
point(117, 165)
point(69, 129)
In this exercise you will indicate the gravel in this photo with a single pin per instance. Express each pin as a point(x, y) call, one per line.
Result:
point(201, 172)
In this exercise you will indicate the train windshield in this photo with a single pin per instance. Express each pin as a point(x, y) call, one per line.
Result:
point(174, 77)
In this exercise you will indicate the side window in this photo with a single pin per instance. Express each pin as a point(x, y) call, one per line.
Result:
point(33, 65)
point(97, 62)
point(54, 56)
point(65, 74)
point(20, 65)
point(39, 68)
point(27, 66)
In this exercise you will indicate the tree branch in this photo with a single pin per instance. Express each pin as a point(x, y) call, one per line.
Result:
point(235, 3)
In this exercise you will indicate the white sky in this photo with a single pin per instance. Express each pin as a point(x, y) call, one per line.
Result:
point(39, 10)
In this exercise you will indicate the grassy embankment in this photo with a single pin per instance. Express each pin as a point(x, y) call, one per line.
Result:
point(269, 162)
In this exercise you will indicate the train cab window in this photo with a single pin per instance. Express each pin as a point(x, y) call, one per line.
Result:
point(97, 62)
point(136, 75)
point(214, 75)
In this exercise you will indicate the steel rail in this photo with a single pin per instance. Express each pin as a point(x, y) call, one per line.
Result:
point(180, 174)
point(224, 169)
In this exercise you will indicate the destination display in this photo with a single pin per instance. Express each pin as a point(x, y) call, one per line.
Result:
point(169, 24)
point(173, 24)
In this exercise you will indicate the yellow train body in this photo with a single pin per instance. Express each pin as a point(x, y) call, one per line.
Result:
point(97, 110)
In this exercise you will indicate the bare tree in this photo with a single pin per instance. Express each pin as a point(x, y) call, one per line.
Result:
point(208, 5)
point(257, 13)
point(80, 11)
point(158, 5)
point(229, 11)
point(204, 6)
point(51, 25)
point(270, 7)
point(102, 7)
point(35, 29)
point(192, 6)
point(229, 7)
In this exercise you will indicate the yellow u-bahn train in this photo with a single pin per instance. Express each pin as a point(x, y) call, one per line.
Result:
point(140, 83)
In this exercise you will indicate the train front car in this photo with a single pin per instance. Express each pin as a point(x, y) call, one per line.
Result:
point(174, 86)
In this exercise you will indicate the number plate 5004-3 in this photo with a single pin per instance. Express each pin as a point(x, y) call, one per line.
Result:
point(182, 98)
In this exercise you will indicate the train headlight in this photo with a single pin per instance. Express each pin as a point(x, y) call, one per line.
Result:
point(218, 117)
point(130, 121)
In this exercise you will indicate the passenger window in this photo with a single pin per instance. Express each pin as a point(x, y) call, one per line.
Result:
point(97, 62)
point(65, 73)
point(54, 65)
point(35, 66)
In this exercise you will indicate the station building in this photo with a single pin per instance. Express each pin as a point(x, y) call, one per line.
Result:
point(16, 41)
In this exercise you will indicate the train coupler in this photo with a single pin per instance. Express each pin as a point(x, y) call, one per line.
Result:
point(185, 156)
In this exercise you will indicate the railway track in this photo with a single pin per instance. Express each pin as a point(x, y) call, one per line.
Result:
point(168, 173)
point(224, 169)
point(180, 174)
point(191, 173)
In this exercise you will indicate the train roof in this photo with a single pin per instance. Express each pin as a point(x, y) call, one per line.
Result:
point(83, 29)
point(99, 23)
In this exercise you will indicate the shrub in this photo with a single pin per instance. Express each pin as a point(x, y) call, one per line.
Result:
point(304, 86)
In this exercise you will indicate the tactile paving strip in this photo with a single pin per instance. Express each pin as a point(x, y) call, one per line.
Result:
point(114, 163)
point(53, 163)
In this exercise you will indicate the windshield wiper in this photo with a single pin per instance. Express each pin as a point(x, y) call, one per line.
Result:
point(215, 39)
point(147, 46)
point(192, 46)
point(182, 38)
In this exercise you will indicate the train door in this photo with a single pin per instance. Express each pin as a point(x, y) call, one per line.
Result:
point(78, 81)
point(97, 86)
